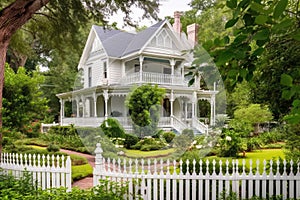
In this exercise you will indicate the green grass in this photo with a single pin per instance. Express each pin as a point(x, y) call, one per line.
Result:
point(81, 171)
point(148, 154)
point(261, 155)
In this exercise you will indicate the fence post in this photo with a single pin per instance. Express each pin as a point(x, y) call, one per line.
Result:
point(69, 174)
point(98, 164)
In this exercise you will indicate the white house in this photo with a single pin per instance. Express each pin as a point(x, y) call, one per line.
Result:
point(114, 61)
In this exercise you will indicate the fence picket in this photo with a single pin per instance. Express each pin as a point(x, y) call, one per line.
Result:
point(159, 184)
point(220, 189)
point(45, 170)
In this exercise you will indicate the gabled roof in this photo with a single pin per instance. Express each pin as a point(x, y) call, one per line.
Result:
point(119, 43)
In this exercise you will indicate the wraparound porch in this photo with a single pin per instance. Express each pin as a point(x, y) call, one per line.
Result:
point(165, 123)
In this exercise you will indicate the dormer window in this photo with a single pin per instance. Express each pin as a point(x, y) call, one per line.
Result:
point(164, 40)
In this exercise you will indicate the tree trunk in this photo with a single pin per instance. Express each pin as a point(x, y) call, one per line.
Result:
point(12, 18)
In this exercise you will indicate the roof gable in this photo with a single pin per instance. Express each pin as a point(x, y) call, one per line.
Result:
point(119, 43)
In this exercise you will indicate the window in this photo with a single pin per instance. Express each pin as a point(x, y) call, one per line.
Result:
point(164, 40)
point(136, 68)
point(90, 76)
point(105, 69)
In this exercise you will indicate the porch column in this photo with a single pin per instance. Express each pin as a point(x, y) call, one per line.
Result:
point(95, 104)
point(83, 106)
point(212, 110)
point(77, 106)
point(172, 63)
point(123, 69)
point(194, 103)
point(62, 110)
point(171, 106)
point(105, 95)
point(141, 68)
point(185, 110)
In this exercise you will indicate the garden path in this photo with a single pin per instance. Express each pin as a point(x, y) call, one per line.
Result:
point(87, 182)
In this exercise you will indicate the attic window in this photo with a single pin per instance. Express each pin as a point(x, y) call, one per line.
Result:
point(164, 40)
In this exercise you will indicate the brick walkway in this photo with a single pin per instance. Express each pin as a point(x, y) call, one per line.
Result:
point(87, 182)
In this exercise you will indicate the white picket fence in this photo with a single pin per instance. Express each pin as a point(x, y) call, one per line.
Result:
point(47, 171)
point(153, 179)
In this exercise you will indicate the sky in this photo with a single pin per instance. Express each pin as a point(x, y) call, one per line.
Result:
point(167, 8)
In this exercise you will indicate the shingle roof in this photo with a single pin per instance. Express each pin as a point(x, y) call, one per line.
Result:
point(119, 43)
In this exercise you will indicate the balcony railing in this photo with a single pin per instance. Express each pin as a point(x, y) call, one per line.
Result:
point(150, 77)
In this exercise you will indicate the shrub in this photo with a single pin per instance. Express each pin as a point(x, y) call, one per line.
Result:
point(130, 140)
point(148, 144)
point(158, 134)
point(230, 144)
point(169, 136)
point(63, 130)
point(78, 160)
point(188, 132)
point(23, 188)
point(112, 128)
point(253, 143)
point(81, 171)
point(53, 148)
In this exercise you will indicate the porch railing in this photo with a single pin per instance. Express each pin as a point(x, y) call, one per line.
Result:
point(150, 77)
point(178, 125)
point(203, 128)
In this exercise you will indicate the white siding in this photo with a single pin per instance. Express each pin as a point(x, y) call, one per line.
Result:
point(96, 65)
point(114, 71)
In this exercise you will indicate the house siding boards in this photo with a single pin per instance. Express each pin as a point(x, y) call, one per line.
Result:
point(115, 71)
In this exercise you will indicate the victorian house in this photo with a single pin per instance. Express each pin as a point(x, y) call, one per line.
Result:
point(115, 61)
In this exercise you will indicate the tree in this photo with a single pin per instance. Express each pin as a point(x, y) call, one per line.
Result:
point(144, 106)
point(14, 14)
point(252, 115)
point(280, 60)
point(23, 102)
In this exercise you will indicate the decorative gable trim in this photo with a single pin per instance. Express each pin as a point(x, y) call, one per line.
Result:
point(171, 33)
point(91, 48)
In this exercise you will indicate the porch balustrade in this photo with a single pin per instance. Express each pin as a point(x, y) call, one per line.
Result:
point(200, 126)
point(150, 77)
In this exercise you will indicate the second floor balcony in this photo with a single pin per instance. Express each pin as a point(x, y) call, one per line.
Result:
point(155, 78)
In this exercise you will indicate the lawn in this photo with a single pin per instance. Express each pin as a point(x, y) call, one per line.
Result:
point(261, 155)
point(148, 154)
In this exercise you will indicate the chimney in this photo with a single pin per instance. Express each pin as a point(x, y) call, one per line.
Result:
point(177, 24)
point(192, 31)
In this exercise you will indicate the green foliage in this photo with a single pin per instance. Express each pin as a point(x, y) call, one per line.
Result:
point(293, 141)
point(168, 136)
point(277, 71)
point(149, 144)
point(250, 116)
point(81, 171)
point(230, 144)
point(188, 132)
point(23, 102)
point(12, 188)
point(191, 155)
point(53, 148)
point(130, 141)
point(143, 104)
point(184, 140)
point(63, 130)
point(112, 128)
point(23, 188)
